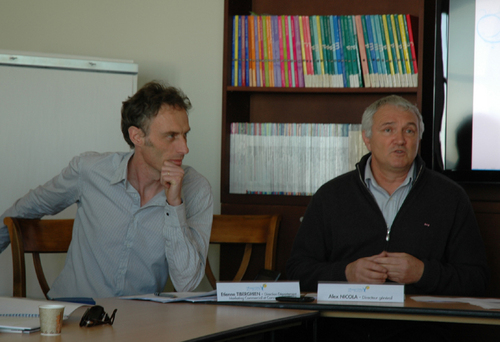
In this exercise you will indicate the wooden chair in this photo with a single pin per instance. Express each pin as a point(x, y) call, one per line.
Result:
point(35, 236)
point(248, 230)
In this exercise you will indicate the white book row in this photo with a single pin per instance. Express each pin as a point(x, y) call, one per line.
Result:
point(290, 158)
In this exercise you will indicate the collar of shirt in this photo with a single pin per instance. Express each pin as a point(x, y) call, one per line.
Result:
point(121, 171)
point(389, 204)
point(120, 176)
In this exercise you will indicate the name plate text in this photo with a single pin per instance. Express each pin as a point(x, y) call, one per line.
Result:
point(392, 293)
point(256, 291)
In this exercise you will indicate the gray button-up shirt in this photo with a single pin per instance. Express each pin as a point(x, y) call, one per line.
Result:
point(118, 247)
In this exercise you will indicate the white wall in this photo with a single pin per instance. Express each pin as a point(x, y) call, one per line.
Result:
point(176, 41)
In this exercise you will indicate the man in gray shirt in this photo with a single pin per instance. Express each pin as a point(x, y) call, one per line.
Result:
point(141, 216)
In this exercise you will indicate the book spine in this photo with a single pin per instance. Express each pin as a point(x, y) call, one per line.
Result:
point(320, 50)
point(411, 49)
point(308, 48)
point(329, 49)
point(241, 81)
point(355, 52)
point(282, 55)
point(405, 49)
point(376, 78)
point(391, 48)
point(367, 51)
point(346, 48)
point(291, 53)
point(266, 53)
point(281, 49)
point(349, 52)
point(240, 57)
point(251, 47)
point(362, 51)
point(340, 55)
point(247, 55)
point(398, 52)
point(412, 43)
point(234, 61)
point(387, 42)
point(405, 80)
point(378, 52)
point(261, 53)
point(276, 51)
point(285, 49)
point(383, 50)
point(336, 79)
point(314, 52)
point(299, 75)
point(258, 82)
point(298, 51)
point(270, 48)
point(324, 48)
point(269, 35)
point(232, 157)
point(303, 49)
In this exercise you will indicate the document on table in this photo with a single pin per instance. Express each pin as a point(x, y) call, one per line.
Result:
point(172, 297)
point(485, 303)
point(21, 314)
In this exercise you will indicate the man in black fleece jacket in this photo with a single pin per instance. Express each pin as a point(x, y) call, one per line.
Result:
point(391, 219)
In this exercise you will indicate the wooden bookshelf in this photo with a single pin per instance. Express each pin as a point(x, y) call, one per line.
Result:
point(308, 105)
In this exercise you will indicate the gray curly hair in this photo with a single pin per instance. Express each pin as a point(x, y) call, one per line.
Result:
point(393, 100)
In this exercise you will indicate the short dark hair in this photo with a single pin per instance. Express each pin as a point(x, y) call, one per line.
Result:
point(145, 104)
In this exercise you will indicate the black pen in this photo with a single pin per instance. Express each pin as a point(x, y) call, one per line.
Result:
point(168, 295)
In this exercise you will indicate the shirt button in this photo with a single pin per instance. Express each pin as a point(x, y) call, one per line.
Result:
point(168, 214)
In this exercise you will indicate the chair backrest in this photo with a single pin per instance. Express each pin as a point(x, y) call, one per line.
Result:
point(35, 236)
point(247, 230)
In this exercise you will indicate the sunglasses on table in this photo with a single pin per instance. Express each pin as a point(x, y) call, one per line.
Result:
point(95, 315)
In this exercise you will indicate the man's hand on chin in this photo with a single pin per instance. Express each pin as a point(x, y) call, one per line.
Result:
point(171, 179)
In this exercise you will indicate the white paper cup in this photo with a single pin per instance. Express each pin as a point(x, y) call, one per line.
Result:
point(51, 317)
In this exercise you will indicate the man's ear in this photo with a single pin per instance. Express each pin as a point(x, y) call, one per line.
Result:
point(366, 141)
point(136, 135)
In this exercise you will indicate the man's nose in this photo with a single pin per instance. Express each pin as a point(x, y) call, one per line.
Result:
point(183, 148)
point(400, 138)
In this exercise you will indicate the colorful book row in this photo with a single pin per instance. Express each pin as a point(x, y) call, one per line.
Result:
point(290, 158)
point(348, 51)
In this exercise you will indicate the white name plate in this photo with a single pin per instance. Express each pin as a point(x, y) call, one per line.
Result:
point(256, 291)
point(384, 293)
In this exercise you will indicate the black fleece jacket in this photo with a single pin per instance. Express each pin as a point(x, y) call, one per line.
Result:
point(435, 224)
